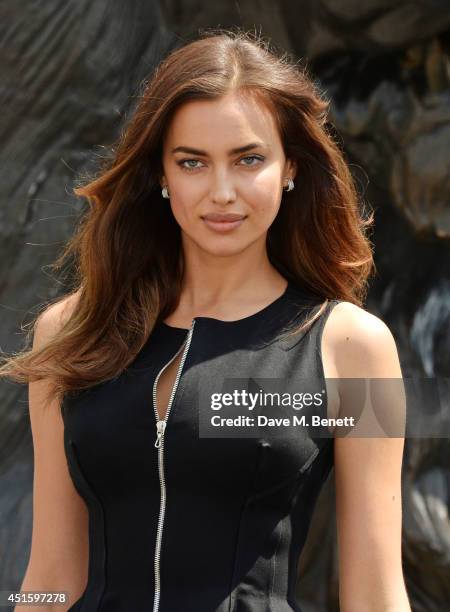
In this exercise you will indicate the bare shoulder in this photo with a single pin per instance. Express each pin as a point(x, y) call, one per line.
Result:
point(59, 544)
point(357, 343)
point(52, 318)
point(367, 460)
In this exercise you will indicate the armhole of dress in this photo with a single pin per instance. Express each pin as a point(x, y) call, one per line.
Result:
point(331, 389)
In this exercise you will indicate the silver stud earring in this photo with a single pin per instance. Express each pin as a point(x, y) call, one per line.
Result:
point(165, 193)
point(290, 185)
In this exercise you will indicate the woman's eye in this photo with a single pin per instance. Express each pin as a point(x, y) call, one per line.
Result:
point(252, 157)
point(186, 161)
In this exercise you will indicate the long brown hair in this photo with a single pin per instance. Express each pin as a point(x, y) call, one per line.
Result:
point(127, 246)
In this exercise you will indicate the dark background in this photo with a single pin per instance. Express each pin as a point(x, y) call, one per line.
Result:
point(70, 75)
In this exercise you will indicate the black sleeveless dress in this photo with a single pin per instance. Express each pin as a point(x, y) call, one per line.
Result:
point(184, 522)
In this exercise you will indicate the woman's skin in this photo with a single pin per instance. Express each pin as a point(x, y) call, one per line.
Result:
point(228, 276)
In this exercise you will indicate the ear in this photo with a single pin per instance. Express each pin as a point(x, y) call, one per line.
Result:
point(291, 168)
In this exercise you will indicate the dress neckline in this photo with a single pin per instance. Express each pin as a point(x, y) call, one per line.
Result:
point(252, 318)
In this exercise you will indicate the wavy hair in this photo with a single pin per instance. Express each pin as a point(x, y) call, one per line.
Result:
point(126, 248)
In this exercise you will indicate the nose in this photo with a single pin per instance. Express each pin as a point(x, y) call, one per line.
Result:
point(222, 189)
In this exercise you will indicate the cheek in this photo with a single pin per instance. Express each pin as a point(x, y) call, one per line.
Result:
point(182, 209)
point(264, 198)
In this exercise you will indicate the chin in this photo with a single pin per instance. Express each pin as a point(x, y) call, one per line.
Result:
point(224, 248)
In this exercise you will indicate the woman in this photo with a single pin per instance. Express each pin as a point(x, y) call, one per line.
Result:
point(223, 240)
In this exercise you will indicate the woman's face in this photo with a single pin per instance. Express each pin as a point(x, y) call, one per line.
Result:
point(208, 177)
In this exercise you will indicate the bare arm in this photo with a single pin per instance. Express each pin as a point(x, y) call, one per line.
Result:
point(368, 473)
point(59, 547)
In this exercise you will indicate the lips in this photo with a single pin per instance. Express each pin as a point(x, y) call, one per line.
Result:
point(223, 222)
point(223, 217)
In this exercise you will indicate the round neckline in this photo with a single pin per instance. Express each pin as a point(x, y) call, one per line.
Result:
point(248, 319)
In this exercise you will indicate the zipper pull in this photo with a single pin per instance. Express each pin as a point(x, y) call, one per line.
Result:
point(160, 426)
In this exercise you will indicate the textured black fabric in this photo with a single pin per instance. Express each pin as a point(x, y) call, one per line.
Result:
point(237, 510)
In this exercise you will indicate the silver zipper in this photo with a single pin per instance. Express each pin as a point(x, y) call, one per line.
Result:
point(159, 444)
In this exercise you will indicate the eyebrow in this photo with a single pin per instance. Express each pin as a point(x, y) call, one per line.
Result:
point(192, 151)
